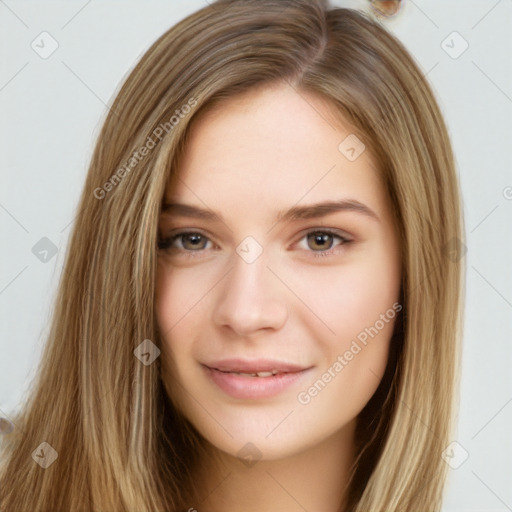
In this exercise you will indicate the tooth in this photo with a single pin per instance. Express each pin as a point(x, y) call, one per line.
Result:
point(258, 374)
point(265, 374)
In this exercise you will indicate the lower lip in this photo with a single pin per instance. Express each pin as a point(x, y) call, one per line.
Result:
point(239, 386)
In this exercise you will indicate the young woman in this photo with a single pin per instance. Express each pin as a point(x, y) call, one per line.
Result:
point(260, 307)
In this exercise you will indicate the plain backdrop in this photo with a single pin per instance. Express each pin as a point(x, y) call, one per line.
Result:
point(51, 110)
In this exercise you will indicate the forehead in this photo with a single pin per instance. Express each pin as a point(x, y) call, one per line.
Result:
point(276, 143)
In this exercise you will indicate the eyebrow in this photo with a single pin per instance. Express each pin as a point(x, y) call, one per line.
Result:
point(311, 211)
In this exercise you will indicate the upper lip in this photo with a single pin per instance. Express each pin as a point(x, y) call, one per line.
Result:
point(254, 366)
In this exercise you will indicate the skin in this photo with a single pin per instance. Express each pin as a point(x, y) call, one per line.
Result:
point(302, 300)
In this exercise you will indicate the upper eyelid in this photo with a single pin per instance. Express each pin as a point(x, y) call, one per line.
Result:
point(320, 229)
point(174, 234)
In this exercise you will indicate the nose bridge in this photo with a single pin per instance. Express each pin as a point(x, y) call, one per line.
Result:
point(251, 278)
point(251, 298)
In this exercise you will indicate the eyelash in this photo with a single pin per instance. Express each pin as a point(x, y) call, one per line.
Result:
point(165, 244)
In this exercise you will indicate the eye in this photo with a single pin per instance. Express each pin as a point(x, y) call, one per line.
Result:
point(186, 241)
point(323, 240)
point(319, 241)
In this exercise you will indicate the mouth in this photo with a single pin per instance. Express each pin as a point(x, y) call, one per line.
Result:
point(255, 379)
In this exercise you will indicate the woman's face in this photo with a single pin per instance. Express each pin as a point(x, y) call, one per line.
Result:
point(279, 257)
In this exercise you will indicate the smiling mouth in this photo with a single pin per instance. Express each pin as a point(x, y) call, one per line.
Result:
point(256, 379)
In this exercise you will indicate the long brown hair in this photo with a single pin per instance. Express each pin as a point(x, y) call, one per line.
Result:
point(120, 445)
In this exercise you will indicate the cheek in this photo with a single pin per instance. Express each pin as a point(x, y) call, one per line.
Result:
point(353, 361)
point(368, 290)
point(371, 291)
point(173, 304)
point(344, 300)
point(182, 306)
point(180, 293)
point(367, 311)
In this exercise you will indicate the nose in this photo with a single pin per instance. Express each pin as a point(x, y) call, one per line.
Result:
point(252, 299)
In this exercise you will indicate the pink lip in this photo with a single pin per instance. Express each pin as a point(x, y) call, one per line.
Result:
point(246, 387)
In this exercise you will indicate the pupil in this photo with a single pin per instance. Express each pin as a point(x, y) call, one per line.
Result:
point(321, 240)
point(193, 240)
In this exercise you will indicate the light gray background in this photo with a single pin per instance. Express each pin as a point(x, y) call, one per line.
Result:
point(51, 111)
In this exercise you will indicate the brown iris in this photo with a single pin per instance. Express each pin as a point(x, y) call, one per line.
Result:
point(320, 241)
